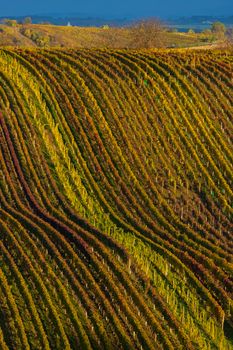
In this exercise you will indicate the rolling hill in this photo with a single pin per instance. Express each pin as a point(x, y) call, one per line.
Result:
point(45, 36)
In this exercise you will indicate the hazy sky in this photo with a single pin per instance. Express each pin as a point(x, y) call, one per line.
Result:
point(119, 8)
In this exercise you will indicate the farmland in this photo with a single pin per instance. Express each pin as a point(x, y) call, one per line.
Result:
point(116, 199)
point(38, 35)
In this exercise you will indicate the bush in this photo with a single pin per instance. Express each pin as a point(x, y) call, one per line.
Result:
point(10, 22)
point(27, 20)
point(40, 39)
point(191, 31)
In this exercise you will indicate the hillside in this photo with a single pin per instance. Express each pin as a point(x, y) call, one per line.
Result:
point(87, 37)
point(116, 199)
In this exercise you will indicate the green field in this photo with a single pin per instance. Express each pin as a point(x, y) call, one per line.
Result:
point(116, 199)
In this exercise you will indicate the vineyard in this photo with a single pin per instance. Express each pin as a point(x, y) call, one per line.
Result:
point(116, 199)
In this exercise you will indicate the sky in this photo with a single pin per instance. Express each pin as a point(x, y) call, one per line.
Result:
point(117, 8)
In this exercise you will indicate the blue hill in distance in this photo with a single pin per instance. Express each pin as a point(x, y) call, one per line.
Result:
point(183, 23)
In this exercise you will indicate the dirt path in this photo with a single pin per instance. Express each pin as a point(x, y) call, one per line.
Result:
point(217, 45)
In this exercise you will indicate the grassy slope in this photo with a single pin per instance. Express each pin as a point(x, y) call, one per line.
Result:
point(85, 37)
point(116, 199)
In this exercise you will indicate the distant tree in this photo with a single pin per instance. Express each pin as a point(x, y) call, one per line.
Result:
point(147, 33)
point(191, 31)
point(219, 29)
point(207, 36)
point(10, 22)
point(39, 38)
point(27, 20)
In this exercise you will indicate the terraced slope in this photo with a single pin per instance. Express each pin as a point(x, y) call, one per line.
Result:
point(116, 199)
